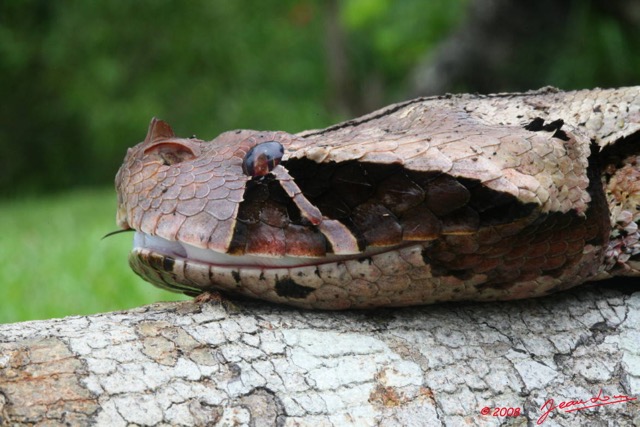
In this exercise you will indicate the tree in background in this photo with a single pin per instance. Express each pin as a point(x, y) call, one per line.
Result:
point(504, 46)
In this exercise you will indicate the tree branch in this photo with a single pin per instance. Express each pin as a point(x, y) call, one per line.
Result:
point(203, 364)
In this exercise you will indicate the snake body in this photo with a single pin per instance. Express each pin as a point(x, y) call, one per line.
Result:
point(464, 197)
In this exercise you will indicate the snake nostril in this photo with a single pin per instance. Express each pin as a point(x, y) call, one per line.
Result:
point(171, 153)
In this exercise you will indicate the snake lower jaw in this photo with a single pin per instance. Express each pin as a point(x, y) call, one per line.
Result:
point(190, 253)
point(334, 282)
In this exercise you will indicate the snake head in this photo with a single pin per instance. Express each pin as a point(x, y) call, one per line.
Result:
point(141, 168)
point(186, 189)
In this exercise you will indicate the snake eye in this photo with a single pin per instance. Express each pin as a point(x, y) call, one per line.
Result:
point(262, 158)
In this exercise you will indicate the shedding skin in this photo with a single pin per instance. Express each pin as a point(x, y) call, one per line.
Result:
point(436, 199)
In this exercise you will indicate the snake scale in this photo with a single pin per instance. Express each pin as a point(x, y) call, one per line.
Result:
point(456, 197)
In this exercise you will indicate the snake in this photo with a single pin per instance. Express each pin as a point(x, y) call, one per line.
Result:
point(443, 198)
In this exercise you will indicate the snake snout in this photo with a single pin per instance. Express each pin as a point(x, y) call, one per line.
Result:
point(122, 219)
point(172, 152)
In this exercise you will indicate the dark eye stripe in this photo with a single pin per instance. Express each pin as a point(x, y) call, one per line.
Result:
point(261, 159)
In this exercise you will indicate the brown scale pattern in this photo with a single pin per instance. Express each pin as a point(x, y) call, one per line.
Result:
point(477, 197)
point(396, 209)
point(185, 189)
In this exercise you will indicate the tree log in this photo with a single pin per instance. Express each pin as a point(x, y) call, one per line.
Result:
point(249, 363)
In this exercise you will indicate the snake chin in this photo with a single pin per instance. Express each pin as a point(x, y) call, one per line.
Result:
point(177, 249)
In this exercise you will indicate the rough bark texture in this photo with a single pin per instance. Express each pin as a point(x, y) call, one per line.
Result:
point(255, 364)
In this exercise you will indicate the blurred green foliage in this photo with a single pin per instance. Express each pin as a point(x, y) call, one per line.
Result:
point(599, 50)
point(55, 264)
point(81, 80)
point(389, 37)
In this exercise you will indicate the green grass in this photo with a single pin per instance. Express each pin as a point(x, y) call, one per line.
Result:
point(53, 263)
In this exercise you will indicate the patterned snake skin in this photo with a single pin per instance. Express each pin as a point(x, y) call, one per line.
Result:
point(436, 199)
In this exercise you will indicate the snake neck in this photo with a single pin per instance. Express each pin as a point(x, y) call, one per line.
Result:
point(622, 190)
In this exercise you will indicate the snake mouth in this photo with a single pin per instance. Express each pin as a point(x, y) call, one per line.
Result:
point(177, 249)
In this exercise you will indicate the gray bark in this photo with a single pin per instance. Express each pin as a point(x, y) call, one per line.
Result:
point(248, 363)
